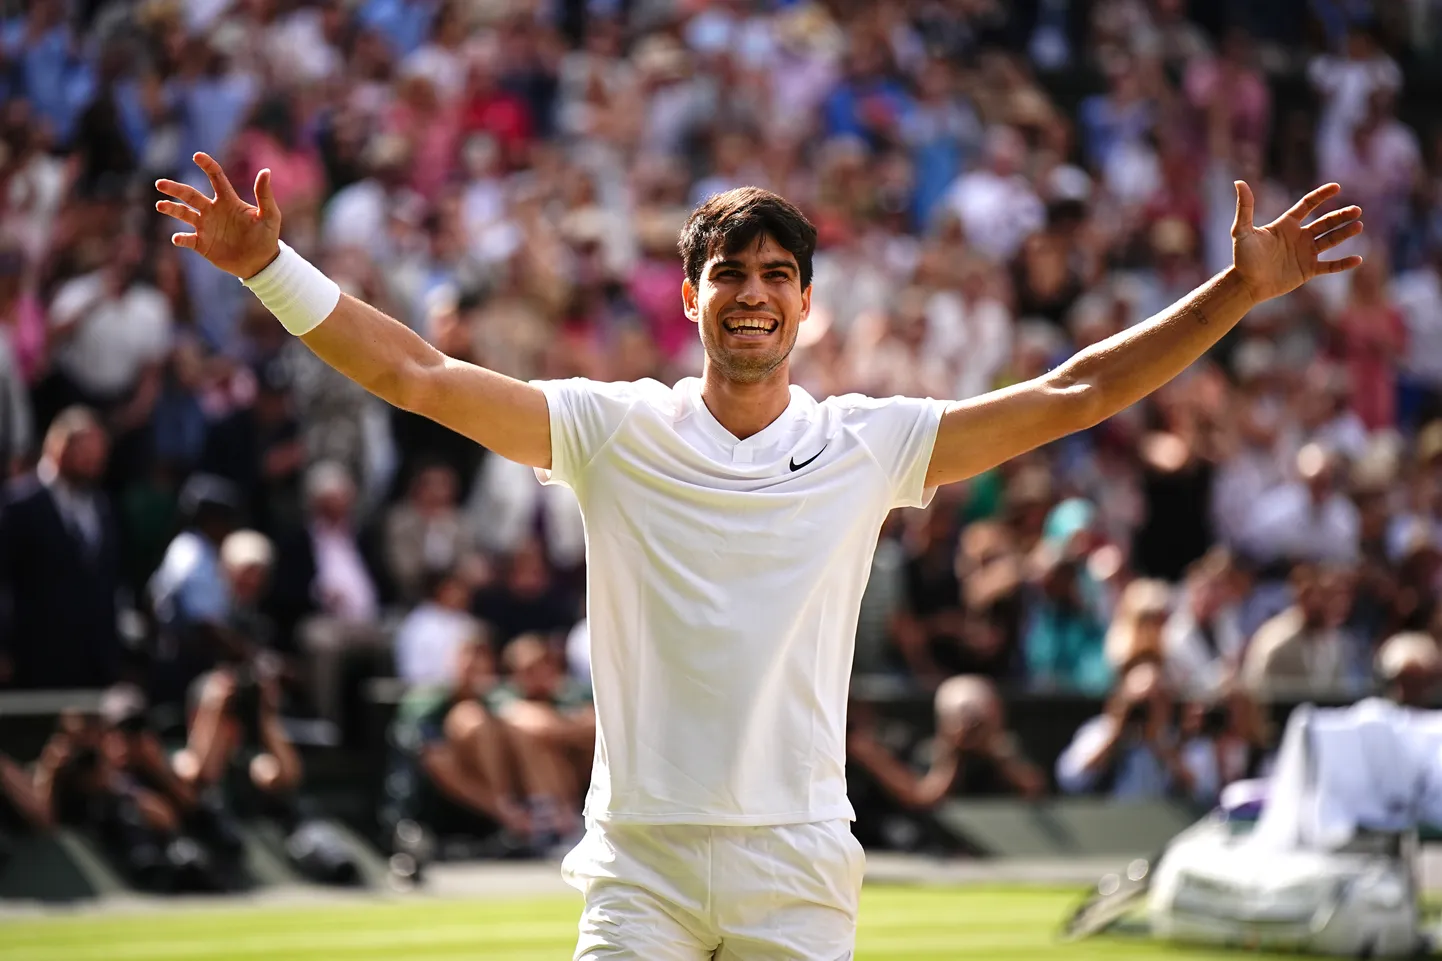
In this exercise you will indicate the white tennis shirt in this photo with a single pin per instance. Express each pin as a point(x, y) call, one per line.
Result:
point(724, 580)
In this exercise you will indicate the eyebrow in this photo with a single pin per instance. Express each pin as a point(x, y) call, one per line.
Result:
point(769, 265)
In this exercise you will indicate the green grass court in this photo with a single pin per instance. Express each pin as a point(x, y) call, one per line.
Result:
point(916, 924)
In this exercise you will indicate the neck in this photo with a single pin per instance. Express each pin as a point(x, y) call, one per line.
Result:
point(746, 409)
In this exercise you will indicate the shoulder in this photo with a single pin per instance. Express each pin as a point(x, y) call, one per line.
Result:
point(621, 393)
point(22, 493)
point(1276, 631)
point(864, 413)
point(77, 289)
point(185, 555)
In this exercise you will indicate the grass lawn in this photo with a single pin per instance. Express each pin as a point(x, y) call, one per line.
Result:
point(916, 924)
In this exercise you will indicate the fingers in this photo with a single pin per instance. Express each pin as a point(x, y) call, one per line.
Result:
point(1333, 238)
point(218, 180)
point(265, 196)
point(179, 212)
point(184, 193)
point(1333, 220)
point(1337, 266)
point(184, 240)
point(1303, 208)
point(1245, 217)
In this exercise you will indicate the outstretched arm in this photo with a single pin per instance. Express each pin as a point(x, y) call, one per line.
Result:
point(381, 354)
point(1108, 377)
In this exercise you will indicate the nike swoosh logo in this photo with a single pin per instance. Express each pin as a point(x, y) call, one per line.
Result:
point(795, 466)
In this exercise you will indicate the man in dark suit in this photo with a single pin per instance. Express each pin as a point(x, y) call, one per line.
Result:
point(59, 564)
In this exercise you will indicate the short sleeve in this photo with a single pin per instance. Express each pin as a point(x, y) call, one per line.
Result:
point(584, 415)
point(202, 595)
point(900, 432)
point(1071, 773)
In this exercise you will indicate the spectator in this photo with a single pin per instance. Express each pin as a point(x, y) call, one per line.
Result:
point(1202, 640)
point(236, 720)
point(1137, 623)
point(111, 331)
point(1304, 651)
point(425, 532)
point(1226, 739)
point(1410, 667)
point(469, 776)
point(59, 565)
point(1063, 640)
point(430, 635)
point(525, 598)
point(258, 449)
point(1372, 340)
point(326, 596)
point(1307, 520)
point(1133, 750)
point(553, 721)
point(972, 756)
point(247, 559)
point(995, 204)
point(189, 594)
point(1418, 295)
point(18, 349)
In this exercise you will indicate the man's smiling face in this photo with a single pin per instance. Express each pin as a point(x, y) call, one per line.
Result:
point(749, 305)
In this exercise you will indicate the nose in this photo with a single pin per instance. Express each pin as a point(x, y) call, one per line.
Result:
point(753, 292)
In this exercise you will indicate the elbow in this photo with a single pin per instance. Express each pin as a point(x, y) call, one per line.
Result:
point(408, 385)
point(1082, 398)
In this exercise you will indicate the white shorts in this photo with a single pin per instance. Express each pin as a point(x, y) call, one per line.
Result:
point(694, 893)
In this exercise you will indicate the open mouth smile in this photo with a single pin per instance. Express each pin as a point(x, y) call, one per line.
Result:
point(751, 326)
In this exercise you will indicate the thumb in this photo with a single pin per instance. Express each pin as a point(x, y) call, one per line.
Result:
point(1244, 219)
point(265, 197)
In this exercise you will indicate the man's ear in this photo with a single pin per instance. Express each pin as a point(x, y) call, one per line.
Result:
point(688, 298)
point(806, 302)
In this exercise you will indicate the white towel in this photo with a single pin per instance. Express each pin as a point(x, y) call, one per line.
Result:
point(1373, 765)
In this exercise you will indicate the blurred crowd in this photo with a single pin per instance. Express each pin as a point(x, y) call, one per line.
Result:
point(203, 514)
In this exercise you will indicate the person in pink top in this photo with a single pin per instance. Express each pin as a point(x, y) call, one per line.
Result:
point(22, 318)
point(1371, 337)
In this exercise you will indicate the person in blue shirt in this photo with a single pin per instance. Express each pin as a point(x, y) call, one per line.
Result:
point(189, 594)
point(1132, 751)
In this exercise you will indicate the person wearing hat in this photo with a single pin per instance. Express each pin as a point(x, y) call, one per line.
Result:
point(1409, 665)
point(258, 448)
point(188, 592)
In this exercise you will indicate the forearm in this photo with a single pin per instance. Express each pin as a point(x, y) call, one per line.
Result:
point(901, 782)
point(378, 352)
point(1128, 366)
point(279, 745)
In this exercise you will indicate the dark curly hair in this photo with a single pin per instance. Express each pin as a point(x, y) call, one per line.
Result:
point(728, 222)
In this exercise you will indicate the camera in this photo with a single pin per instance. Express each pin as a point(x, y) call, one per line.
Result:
point(245, 703)
point(1136, 714)
point(1215, 720)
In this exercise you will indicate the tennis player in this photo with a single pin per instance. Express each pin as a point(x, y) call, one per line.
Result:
point(730, 524)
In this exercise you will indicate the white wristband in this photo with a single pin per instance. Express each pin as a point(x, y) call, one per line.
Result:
point(296, 291)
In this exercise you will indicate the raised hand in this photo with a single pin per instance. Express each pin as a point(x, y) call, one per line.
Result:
point(1282, 256)
point(237, 237)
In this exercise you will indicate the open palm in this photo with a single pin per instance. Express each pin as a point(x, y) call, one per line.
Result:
point(237, 237)
point(1283, 255)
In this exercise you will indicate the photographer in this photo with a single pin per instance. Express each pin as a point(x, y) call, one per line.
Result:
point(972, 755)
point(110, 775)
point(236, 723)
point(1227, 740)
point(1133, 750)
